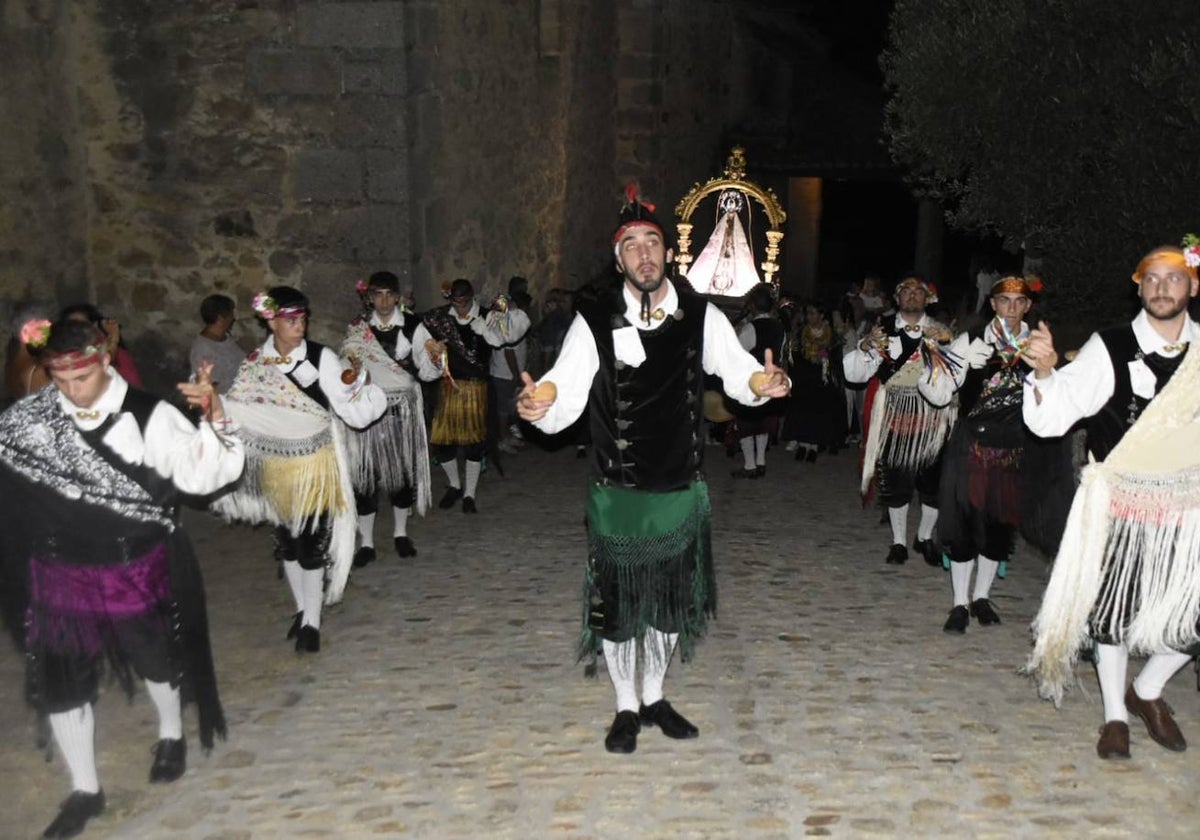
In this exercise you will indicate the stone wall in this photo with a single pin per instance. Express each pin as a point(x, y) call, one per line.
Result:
point(159, 152)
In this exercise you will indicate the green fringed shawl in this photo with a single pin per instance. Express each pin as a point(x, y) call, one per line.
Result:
point(649, 565)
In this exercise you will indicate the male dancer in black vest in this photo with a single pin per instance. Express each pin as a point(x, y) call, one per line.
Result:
point(94, 567)
point(453, 345)
point(980, 488)
point(1127, 572)
point(905, 432)
point(635, 360)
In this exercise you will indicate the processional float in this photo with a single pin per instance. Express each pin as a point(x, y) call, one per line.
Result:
point(724, 270)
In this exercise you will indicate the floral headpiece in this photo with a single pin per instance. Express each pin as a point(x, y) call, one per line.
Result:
point(1186, 257)
point(35, 333)
point(361, 287)
point(265, 306)
point(1191, 250)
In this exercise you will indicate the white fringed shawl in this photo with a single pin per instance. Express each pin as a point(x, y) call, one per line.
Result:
point(397, 447)
point(905, 430)
point(1137, 512)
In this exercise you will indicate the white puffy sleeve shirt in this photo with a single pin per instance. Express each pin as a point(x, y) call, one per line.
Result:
point(196, 459)
point(358, 405)
point(1081, 388)
point(579, 361)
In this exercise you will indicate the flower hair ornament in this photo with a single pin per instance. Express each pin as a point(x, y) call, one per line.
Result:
point(1191, 250)
point(265, 306)
point(35, 333)
point(361, 287)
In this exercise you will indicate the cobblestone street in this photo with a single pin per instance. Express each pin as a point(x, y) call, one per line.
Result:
point(446, 702)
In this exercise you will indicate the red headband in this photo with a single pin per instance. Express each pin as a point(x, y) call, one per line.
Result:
point(625, 228)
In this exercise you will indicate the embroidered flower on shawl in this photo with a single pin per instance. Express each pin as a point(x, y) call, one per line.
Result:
point(35, 333)
point(1191, 250)
point(265, 306)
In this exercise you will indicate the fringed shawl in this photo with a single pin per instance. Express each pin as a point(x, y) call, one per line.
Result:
point(296, 467)
point(905, 431)
point(1131, 550)
point(393, 452)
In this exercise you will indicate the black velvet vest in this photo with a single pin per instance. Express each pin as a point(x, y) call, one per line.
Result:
point(1106, 427)
point(908, 343)
point(387, 339)
point(645, 420)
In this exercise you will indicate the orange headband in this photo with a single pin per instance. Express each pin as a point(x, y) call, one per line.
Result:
point(1174, 256)
point(1015, 286)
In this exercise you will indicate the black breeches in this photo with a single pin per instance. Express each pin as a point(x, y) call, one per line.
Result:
point(896, 486)
point(71, 680)
point(309, 548)
point(369, 503)
point(443, 453)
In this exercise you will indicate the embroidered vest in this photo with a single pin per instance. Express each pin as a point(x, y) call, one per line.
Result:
point(645, 420)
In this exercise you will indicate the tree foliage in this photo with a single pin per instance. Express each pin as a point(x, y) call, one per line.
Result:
point(1068, 126)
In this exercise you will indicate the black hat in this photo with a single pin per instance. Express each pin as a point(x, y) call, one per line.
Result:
point(384, 280)
point(635, 212)
point(461, 288)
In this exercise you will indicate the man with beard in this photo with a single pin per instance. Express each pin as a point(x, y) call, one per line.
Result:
point(636, 359)
point(905, 432)
point(980, 490)
point(1127, 573)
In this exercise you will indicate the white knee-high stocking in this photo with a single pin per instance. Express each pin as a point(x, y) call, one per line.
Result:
point(295, 579)
point(75, 733)
point(170, 714)
point(928, 520)
point(621, 660)
point(898, 516)
point(1158, 669)
point(451, 468)
point(760, 450)
point(1112, 661)
point(960, 579)
point(400, 521)
point(473, 470)
point(366, 530)
point(314, 597)
point(987, 574)
point(657, 648)
point(747, 444)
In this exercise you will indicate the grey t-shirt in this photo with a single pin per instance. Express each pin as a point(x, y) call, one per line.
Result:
point(226, 357)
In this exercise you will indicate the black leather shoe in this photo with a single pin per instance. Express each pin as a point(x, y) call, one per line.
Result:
point(308, 640)
point(404, 547)
point(295, 628)
point(760, 471)
point(896, 555)
point(672, 724)
point(170, 760)
point(364, 556)
point(469, 505)
point(453, 494)
point(811, 457)
point(985, 612)
point(958, 620)
point(743, 474)
point(74, 813)
point(622, 735)
point(930, 551)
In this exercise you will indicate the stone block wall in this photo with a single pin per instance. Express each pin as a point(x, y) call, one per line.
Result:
point(159, 152)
